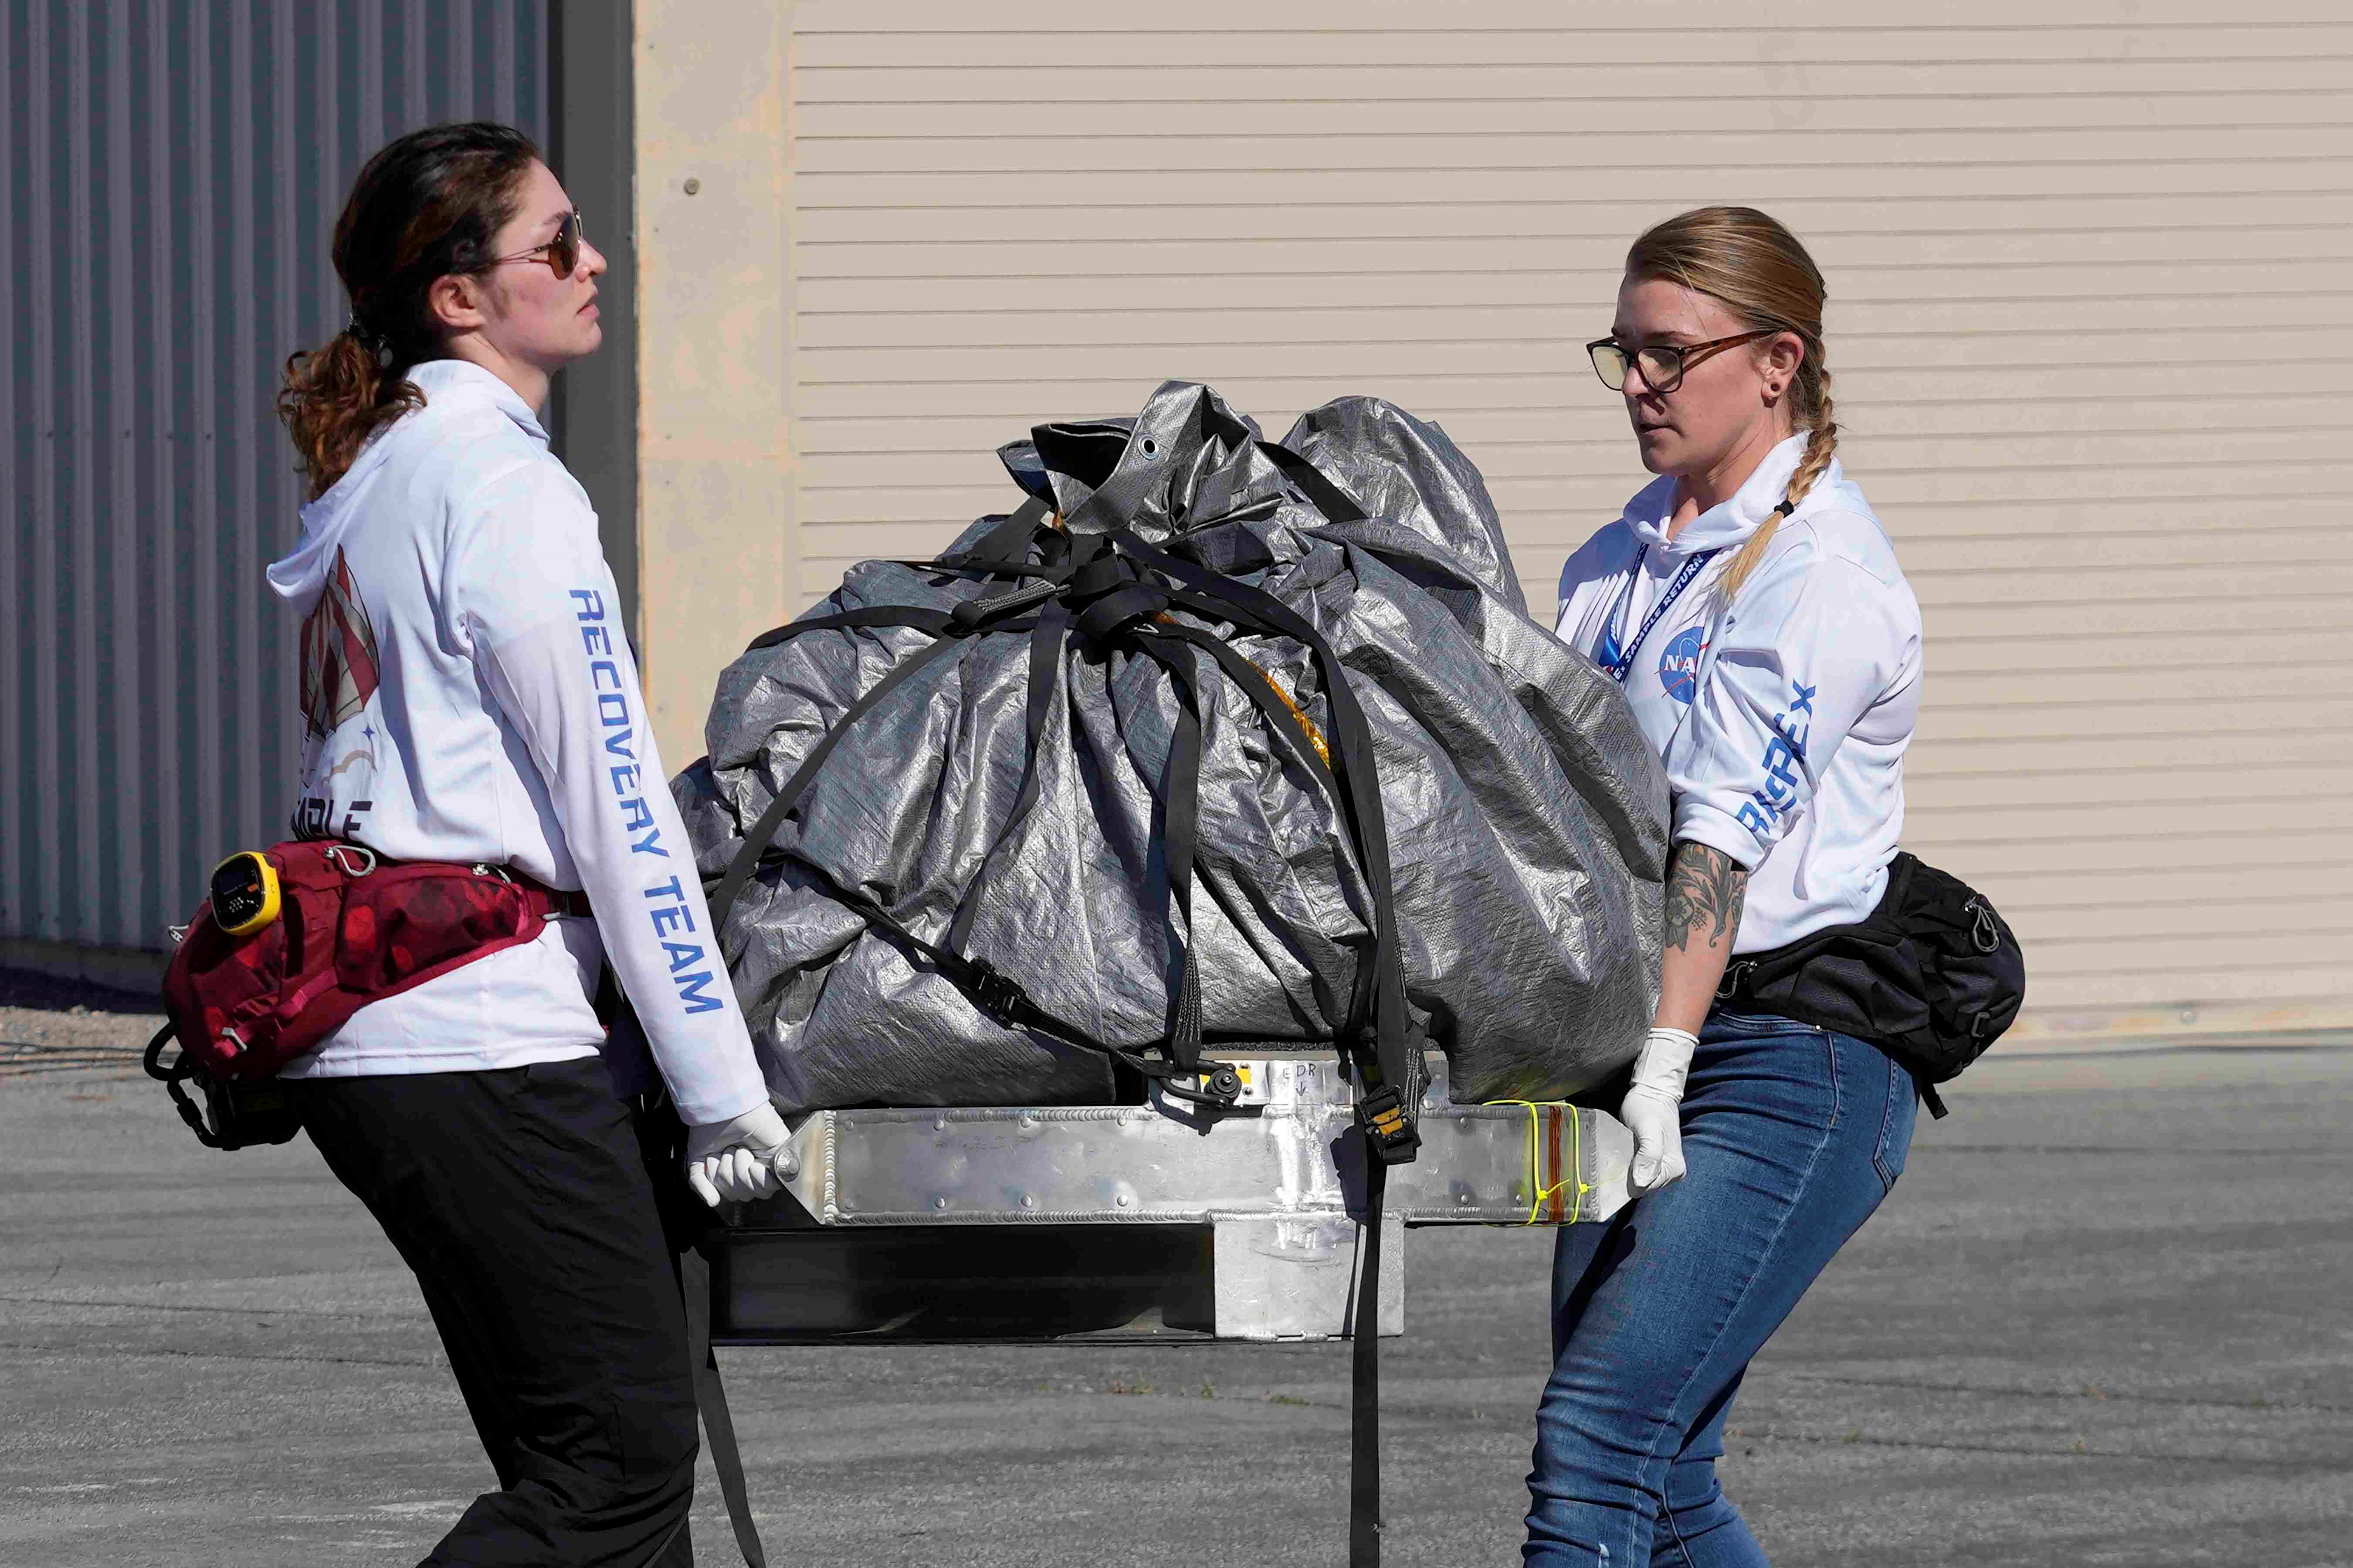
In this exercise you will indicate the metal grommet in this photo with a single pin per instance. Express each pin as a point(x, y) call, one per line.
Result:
point(1150, 445)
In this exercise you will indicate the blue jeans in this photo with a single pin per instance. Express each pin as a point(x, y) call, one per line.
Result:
point(1793, 1134)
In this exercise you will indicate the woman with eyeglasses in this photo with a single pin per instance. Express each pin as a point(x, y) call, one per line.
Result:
point(471, 696)
point(1752, 609)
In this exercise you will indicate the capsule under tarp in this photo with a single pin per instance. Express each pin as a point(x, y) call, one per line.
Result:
point(1079, 798)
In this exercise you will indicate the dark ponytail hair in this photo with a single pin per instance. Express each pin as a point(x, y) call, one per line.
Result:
point(427, 206)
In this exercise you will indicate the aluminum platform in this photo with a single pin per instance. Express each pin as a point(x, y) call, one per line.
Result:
point(1159, 1221)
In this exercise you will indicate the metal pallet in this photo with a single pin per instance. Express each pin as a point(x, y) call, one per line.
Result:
point(1159, 1221)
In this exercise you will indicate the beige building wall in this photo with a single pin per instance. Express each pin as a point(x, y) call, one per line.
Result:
point(2092, 274)
point(718, 557)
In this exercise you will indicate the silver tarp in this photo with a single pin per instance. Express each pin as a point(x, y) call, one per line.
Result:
point(1525, 815)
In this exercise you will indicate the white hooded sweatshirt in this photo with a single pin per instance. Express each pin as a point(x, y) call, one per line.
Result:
point(469, 694)
point(1782, 721)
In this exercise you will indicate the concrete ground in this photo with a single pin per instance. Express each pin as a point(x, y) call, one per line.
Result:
point(2103, 1320)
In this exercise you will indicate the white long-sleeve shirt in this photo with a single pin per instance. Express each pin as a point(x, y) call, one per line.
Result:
point(470, 695)
point(1783, 722)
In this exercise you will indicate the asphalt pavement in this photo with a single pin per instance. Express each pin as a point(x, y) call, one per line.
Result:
point(2103, 1320)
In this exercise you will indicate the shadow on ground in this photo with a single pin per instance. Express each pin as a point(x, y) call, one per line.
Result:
point(2101, 1322)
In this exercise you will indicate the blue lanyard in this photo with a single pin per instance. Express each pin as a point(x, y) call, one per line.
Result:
point(1618, 663)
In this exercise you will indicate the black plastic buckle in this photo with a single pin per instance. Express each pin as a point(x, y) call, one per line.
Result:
point(1388, 1130)
point(993, 992)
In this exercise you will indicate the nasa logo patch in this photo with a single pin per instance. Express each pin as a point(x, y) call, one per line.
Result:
point(1679, 664)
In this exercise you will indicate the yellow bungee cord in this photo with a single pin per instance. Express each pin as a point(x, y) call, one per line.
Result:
point(1535, 1161)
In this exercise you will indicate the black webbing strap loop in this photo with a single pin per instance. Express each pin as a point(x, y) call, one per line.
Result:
point(1179, 836)
point(711, 1398)
point(1326, 497)
point(1006, 547)
point(1114, 611)
point(1378, 1009)
point(1098, 574)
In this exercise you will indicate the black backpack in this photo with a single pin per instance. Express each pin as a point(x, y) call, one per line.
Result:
point(1933, 977)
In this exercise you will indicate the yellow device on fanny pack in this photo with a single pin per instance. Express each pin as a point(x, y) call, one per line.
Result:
point(244, 893)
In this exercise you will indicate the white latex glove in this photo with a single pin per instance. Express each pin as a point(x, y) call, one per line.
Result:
point(1653, 1109)
point(736, 1160)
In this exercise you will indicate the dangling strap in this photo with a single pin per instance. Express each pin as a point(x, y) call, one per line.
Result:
point(1116, 601)
point(711, 1398)
point(1365, 1400)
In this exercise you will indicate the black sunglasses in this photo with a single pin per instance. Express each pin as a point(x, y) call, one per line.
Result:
point(562, 252)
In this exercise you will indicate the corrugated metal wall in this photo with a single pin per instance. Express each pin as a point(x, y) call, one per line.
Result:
point(169, 176)
point(2092, 327)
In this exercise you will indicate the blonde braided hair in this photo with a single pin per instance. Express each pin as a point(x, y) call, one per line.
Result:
point(1764, 275)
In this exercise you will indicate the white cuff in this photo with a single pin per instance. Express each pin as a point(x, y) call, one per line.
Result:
point(1665, 1061)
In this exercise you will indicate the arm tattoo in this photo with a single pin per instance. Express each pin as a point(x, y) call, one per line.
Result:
point(1705, 890)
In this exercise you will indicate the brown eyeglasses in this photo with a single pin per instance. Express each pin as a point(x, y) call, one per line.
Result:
point(562, 252)
point(1662, 364)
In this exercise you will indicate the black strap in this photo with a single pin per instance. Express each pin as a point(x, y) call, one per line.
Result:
point(1351, 745)
point(1326, 497)
point(994, 991)
point(1179, 838)
point(174, 1079)
point(995, 612)
point(1376, 1025)
point(1045, 675)
point(1378, 1011)
point(764, 831)
point(1365, 1401)
point(711, 1398)
point(1111, 600)
point(1004, 547)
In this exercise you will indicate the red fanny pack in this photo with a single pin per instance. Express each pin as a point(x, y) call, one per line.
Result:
point(317, 930)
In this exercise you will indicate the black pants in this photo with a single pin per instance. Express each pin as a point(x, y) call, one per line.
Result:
point(523, 1202)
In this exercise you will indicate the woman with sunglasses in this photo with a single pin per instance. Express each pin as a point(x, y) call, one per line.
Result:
point(471, 696)
point(1753, 610)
